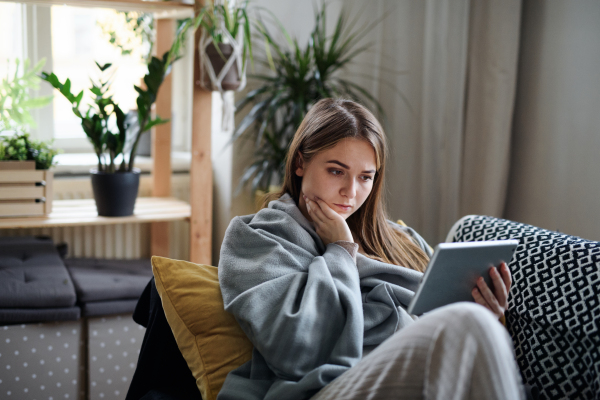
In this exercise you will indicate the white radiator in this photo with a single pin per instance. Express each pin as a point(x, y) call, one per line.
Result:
point(113, 241)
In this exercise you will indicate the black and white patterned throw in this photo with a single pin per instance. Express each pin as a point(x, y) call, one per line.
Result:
point(554, 305)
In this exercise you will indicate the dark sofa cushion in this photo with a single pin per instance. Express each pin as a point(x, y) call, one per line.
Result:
point(24, 315)
point(107, 280)
point(101, 308)
point(32, 275)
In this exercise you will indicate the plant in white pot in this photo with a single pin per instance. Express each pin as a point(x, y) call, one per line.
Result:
point(115, 181)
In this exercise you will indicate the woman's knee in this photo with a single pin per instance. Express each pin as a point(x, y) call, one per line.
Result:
point(466, 317)
point(465, 310)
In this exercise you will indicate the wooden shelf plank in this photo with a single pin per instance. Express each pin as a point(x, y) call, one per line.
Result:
point(163, 9)
point(83, 212)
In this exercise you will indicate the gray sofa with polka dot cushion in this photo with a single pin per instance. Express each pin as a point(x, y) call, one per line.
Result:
point(41, 335)
point(107, 292)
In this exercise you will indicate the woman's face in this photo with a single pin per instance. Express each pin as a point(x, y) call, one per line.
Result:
point(341, 176)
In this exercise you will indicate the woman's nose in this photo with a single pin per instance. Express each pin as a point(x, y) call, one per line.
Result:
point(349, 188)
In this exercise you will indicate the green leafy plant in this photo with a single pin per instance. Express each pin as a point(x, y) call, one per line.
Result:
point(300, 77)
point(109, 139)
point(15, 98)
point(20, 147)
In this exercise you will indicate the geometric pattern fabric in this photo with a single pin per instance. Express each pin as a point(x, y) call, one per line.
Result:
point(554, 305)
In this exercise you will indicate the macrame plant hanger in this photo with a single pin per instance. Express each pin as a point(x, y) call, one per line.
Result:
point(217, 80)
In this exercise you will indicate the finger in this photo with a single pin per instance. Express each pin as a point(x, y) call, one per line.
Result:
point(506, 276)
point(489, 296)
point(327, 211)
point(499, 287)
point(316, 207)
point(312, 207)
point(479, 298)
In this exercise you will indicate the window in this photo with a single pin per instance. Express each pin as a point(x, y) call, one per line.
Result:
point(11, 45)
point(77, 43)
point(71, 40)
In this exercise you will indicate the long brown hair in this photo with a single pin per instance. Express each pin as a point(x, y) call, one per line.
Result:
point(328, 122)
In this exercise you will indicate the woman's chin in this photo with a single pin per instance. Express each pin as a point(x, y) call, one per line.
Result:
point(344, 214)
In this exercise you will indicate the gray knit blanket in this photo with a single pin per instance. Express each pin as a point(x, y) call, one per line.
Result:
point(308, 308)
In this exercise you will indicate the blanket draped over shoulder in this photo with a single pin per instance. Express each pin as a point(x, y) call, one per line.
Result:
point(308, 308)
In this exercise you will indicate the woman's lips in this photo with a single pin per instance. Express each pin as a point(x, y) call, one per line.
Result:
point(343, 207)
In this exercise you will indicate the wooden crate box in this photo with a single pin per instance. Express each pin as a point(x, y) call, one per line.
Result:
point(24, 191)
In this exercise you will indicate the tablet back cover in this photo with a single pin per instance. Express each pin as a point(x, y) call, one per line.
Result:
point(453, 271)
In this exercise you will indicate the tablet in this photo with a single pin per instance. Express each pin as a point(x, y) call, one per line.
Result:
point(453, 270)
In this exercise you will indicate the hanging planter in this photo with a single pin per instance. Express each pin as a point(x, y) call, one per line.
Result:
point(222, 64)
point(224, 46)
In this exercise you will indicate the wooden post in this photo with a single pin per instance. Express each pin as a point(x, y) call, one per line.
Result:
point(161, 142)
point(201, 182)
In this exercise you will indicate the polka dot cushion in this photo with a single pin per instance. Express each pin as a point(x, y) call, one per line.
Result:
point(113, 349)
point(41, 361)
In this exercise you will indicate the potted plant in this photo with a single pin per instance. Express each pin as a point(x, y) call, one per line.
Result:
point(115, 181)
point(25, 191)
point(300, 77)
point(19, 147)
point(15, 98)
point(224, 46)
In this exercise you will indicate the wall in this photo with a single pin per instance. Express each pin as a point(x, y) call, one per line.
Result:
point(555, 176)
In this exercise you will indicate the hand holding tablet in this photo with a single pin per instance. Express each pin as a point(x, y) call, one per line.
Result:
point(494, 298)
point(454, 270)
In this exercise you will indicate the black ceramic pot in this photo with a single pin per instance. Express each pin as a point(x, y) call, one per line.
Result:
point(115, 194)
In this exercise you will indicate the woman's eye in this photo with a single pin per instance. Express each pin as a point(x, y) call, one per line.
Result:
point(336, 172)
point(367, 178)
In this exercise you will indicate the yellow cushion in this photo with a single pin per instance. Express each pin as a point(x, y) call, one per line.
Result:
point(209, 338)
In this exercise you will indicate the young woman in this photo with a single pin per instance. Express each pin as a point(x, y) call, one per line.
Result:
point(319, 281)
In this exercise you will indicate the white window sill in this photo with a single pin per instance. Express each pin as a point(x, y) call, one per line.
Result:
point(82, 163)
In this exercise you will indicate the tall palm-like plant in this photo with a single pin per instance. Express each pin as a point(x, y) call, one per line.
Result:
point(300, 77)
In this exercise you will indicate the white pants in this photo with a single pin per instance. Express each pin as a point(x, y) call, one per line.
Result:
point(460, 351)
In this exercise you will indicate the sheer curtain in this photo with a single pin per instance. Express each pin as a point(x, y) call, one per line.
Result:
point(446, 75)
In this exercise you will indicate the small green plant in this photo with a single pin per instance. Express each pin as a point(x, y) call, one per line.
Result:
point(20, 147)
point(15, 98)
